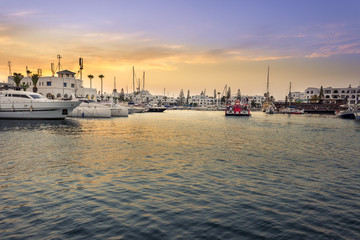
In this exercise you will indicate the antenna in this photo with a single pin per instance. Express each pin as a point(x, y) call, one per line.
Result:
point(53, 69)
point(9, 64)
point(81, 64)
point(59, 64)
point(114, 84)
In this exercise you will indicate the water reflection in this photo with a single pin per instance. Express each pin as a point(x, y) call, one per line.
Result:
point(15, 125)
point(180, 175)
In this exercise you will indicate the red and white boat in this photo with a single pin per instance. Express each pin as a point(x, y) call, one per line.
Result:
point(237, 109)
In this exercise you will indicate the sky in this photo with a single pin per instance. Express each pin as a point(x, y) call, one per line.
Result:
point(196, 45)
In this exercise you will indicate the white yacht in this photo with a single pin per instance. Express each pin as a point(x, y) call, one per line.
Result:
point(29, 105)
point(90, 109)
point(117, 110)
point(136, 109)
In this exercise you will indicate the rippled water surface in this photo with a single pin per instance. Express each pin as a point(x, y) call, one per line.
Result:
point(181, 175)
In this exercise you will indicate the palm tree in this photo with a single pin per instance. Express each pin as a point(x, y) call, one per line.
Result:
point(35, 79)
point(101, 77)
point(90, 77)
point(25, 86)
point(17, 79)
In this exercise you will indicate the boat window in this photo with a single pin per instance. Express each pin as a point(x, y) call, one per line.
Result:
point(36, 96)
point(25, 96)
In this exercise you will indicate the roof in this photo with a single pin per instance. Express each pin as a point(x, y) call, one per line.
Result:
point(65, 72)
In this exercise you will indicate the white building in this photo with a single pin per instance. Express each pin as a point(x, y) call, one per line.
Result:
point(65, 85)
point(350, 93)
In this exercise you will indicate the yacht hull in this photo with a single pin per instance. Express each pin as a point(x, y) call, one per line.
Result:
point(37, 110)
point(90, 112)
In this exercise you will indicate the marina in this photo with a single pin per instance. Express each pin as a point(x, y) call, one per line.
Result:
point(180, 120)
point(181, 175)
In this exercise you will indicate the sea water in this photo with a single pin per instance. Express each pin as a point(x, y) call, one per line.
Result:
point(181, 175)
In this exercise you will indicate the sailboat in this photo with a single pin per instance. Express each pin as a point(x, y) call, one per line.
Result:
point(290, 109)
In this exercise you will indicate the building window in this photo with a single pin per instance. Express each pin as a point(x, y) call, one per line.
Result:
point(72, 85)
point(48, 83)
point(65, 84)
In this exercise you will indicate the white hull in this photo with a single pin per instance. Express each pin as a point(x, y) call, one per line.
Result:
point(50, 114)
point(90, 112)
point(28, 107)
point(119, 112)
point(136, 110)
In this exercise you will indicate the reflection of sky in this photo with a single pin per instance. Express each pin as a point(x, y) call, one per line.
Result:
point(171, 39)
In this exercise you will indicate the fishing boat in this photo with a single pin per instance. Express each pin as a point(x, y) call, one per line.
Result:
point(30, 105)
point(237, 109)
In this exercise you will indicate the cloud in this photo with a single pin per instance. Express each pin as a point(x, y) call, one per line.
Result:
point(22, 13)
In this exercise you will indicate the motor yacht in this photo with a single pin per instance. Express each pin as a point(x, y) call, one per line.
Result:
point(30, 105)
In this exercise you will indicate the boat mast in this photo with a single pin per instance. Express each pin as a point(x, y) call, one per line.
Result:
point(133, 80)
point(267, 86)
point(290, 94)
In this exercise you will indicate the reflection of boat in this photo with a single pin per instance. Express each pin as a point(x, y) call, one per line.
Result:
point(237, 109)
point(29, 105)
point(91, 109)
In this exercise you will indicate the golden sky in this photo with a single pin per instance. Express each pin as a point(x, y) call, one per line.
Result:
point(187, 45)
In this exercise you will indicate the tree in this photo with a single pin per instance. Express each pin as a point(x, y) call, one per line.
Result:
point(122, 95)
point(253, 103)
point(228, 94)
point(101, 77)
point(90, 77)
point(188, 97)
point(181, 98)
point(35, 79)
point(17, 78)
point(239, 95)
point(25, 86)
point(214, 93)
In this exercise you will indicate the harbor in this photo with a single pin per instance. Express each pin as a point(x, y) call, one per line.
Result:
point(180, 174)
point(180, 120)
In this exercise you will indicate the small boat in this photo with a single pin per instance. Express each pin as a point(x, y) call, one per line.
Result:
point(291, 110)
point(157, 109)
point(117, 110)
point(90, 109)
point(347, 114)
point(136, 109)
point(30, 105)
point(237, 109)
